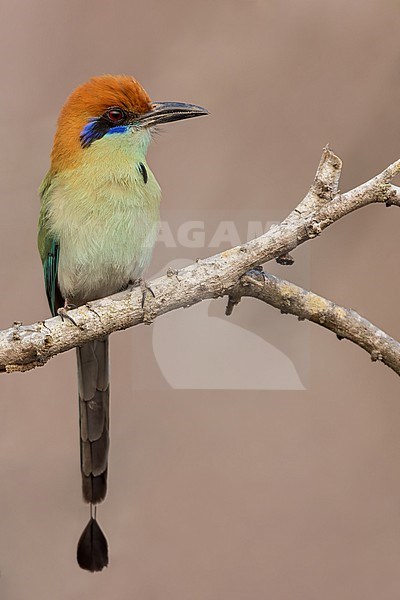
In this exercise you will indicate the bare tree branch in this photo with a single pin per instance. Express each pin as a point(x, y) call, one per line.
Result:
point(25, 347)
point(344, 322)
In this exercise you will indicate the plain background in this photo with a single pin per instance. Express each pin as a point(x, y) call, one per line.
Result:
point(213, 494)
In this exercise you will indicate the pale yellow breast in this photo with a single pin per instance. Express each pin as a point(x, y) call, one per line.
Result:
point(106, 219)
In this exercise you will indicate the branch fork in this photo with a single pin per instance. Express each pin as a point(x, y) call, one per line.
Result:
point(234, 273)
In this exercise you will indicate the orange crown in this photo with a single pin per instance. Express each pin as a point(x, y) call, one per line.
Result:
point(88, 101)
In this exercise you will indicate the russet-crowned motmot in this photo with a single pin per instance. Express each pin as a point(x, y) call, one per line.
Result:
point(98, 224)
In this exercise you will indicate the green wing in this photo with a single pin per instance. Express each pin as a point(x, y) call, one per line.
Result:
point(50, 270)
point(49, 249)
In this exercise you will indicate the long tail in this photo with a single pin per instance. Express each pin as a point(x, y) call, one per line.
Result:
point(94, 390)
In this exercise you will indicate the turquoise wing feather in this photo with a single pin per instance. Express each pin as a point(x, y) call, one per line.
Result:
point(50, 270)
point(49, 249)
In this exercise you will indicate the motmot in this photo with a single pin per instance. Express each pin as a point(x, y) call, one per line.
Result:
point(97, 227)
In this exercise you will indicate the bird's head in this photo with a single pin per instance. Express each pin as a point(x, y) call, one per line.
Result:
point(108, 106)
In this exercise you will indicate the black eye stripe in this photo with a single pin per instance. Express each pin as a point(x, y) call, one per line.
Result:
point(97, 127)
point(94, 130)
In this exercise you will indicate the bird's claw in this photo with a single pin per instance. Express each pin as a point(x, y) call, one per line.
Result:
point(63, 313)
point(148, 316)
point(144, 287)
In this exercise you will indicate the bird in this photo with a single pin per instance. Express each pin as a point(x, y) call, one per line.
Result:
point(98, 223)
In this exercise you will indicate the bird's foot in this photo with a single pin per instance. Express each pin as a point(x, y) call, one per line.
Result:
point(145, 289)
point(63, 312)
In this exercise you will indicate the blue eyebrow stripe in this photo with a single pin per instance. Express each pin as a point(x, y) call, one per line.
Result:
point(118, 129)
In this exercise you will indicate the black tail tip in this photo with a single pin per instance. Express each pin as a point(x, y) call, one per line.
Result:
point(92, 552)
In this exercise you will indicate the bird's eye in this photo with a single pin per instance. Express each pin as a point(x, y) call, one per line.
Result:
point(115, 115)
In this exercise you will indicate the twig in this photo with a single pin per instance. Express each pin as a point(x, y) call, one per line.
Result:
point(344, 322)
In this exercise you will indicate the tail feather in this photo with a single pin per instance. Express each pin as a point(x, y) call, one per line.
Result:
point(93, 416)
point(94, 487)
point(92, 553)
point(93, 387)
point(94, 455)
